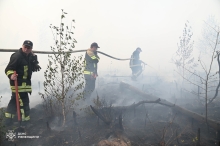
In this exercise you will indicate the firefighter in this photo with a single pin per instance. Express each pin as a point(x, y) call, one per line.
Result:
point(135, 63)
point(90, 72)
point(24, 62)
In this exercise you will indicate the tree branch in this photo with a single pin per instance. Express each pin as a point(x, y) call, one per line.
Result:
point(216, 43)
point(202, 66)
point(201, 81)
point(216, 92)
point(194, 73)
point(120, 108)
point(189, 81)
point(211, 27)
point(190, 92)
point(212, 81)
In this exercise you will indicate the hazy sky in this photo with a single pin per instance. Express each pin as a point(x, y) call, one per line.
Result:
point(119, 27)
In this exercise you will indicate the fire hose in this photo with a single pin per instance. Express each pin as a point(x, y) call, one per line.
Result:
point(75, 51)
point(51, 52)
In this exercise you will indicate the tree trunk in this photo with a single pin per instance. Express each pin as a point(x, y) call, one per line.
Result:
point(63, 112)
point(206, 101)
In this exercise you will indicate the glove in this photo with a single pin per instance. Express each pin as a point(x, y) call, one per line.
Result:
point(36, 68)
point(94, 75)
point(34, 60)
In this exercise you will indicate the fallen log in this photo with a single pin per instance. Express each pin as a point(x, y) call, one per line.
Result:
point(214, 124)
point(100, 115)
point(134, 105)
point(106, 114)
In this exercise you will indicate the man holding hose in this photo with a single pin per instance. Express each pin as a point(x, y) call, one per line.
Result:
point(90, 72)
point(135, 64)
point(24, 62)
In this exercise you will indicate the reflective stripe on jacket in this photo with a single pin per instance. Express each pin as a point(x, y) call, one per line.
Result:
point(91, 61)
point(22, 64)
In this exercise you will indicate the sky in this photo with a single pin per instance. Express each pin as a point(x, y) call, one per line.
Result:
point(119, 27)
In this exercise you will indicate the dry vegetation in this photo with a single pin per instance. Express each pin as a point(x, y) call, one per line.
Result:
point(147, 124)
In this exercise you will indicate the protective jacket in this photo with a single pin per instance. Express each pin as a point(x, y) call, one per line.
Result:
point(23, 64)
point(91, 61)
point(135, 59)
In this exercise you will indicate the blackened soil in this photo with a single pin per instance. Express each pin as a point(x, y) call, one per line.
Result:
point(147, 125)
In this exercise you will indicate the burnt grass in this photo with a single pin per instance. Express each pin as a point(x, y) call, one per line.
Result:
point(146, 125)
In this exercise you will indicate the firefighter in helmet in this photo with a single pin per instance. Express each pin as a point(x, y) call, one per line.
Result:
point(90, 72)
point(24, 62)
point(135, 63)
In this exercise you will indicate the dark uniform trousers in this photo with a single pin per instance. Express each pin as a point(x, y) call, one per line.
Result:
point(24, 65)
point(91, 61)
point(136, 70)
point(135, 64)
point(24, 106)
point(89, 86)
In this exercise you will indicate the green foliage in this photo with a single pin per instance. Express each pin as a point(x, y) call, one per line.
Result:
point(63, 76)
point(97, 102)
point(87, 110)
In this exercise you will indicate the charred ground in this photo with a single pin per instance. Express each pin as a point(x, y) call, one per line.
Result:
point(148, 124)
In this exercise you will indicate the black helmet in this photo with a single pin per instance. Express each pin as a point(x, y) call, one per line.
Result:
point(28, 43)
point(138, 48)
point(95, 45)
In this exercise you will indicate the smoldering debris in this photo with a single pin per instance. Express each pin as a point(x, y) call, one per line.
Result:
point(133, 120)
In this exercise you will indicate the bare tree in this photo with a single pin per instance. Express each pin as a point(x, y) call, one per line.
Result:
point(183, 57)
point(209, 51)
